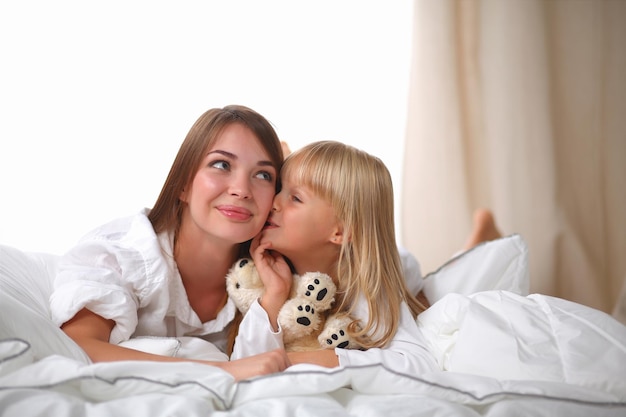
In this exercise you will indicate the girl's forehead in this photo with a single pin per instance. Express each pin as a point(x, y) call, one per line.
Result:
point(288, 181)
point(293, 184)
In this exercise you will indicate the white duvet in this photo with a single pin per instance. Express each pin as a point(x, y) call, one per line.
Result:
point(501, 354)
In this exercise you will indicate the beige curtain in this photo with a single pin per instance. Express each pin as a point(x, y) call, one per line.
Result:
point(520, 106)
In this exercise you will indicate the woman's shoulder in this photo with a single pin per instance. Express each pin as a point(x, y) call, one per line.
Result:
point(127, 248)
point(123, 228)
point(131, 237)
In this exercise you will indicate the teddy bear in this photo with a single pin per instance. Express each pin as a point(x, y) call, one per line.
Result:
point(303, 317)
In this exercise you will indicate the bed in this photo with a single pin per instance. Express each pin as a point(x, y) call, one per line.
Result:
point(502, 352)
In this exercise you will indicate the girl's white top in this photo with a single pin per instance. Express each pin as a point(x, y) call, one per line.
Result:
point(407, 352)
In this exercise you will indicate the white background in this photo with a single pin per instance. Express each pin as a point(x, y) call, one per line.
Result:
point(96, 97)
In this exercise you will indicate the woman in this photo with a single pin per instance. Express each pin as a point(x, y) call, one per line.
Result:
point(161, 272)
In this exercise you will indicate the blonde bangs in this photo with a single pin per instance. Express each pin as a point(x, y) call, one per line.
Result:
point(319, 169)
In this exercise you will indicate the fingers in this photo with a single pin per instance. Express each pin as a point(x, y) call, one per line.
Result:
point(262, 364)
point(279, 359)
point(258, 249)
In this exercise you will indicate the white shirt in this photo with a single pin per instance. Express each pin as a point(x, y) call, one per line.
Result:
point(124, 272)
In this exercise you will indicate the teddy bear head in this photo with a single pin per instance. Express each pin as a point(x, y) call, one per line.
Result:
point(243, 284)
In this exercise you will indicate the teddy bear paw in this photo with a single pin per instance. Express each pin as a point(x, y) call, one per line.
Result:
point(298, 318)
point(319, 289)
point(335, 333)
point(244, 284)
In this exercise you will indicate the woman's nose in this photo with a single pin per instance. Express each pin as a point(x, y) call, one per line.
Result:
point(240, 187)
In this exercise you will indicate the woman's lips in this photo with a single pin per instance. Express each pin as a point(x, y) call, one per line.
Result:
point(235, 212)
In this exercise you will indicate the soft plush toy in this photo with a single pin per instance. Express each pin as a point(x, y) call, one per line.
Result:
point(303, 318)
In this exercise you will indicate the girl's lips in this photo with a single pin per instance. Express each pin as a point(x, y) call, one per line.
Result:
point(235, 212)
point(269, 225)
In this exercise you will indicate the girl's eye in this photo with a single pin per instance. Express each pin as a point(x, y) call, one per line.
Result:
point(264, 175)
point(296, 199)
point(221, 165)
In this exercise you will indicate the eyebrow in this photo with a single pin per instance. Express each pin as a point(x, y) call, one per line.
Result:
point(231, 155)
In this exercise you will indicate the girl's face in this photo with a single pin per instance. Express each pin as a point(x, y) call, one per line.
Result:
point(301, 224)
point(231, 194)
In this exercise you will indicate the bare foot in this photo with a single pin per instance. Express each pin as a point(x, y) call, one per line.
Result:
point(286, 149)
point(483, 229)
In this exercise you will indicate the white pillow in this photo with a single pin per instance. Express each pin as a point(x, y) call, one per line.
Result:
point(501, 335)
point(500, 264)
point(25, 285)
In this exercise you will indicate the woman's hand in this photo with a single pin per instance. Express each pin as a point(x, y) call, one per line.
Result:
point(262, 364)
point(276, 276)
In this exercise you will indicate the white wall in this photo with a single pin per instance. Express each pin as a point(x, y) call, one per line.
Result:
point(96, 97)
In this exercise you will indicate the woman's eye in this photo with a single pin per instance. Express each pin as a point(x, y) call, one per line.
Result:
point(220, 165)
point(264, 175)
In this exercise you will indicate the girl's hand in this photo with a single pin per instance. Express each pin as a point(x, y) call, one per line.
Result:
point(276, 276)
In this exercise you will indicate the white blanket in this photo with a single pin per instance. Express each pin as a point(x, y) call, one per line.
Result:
point(493, 345)
point(501, 354)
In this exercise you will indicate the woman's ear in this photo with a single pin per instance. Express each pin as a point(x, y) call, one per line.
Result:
point(183, 195)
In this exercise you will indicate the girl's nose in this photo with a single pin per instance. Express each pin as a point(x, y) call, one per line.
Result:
point(276, 203)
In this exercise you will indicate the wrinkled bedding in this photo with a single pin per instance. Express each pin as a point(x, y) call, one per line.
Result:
point(500, 353)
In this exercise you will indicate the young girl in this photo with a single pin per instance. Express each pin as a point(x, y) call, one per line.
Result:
point(161, 272)
point(334, 214)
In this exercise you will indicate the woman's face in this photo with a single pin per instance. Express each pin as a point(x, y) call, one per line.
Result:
point(231, 194)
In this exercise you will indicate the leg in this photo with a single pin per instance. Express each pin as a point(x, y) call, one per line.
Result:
point(286, 149)
point(483, 229)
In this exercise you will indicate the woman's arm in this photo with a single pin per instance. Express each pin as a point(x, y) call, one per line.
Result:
point(324, 357)
point(91, 332)
point(407, 352)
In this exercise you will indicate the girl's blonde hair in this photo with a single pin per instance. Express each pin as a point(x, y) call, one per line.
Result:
point(359, 188)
